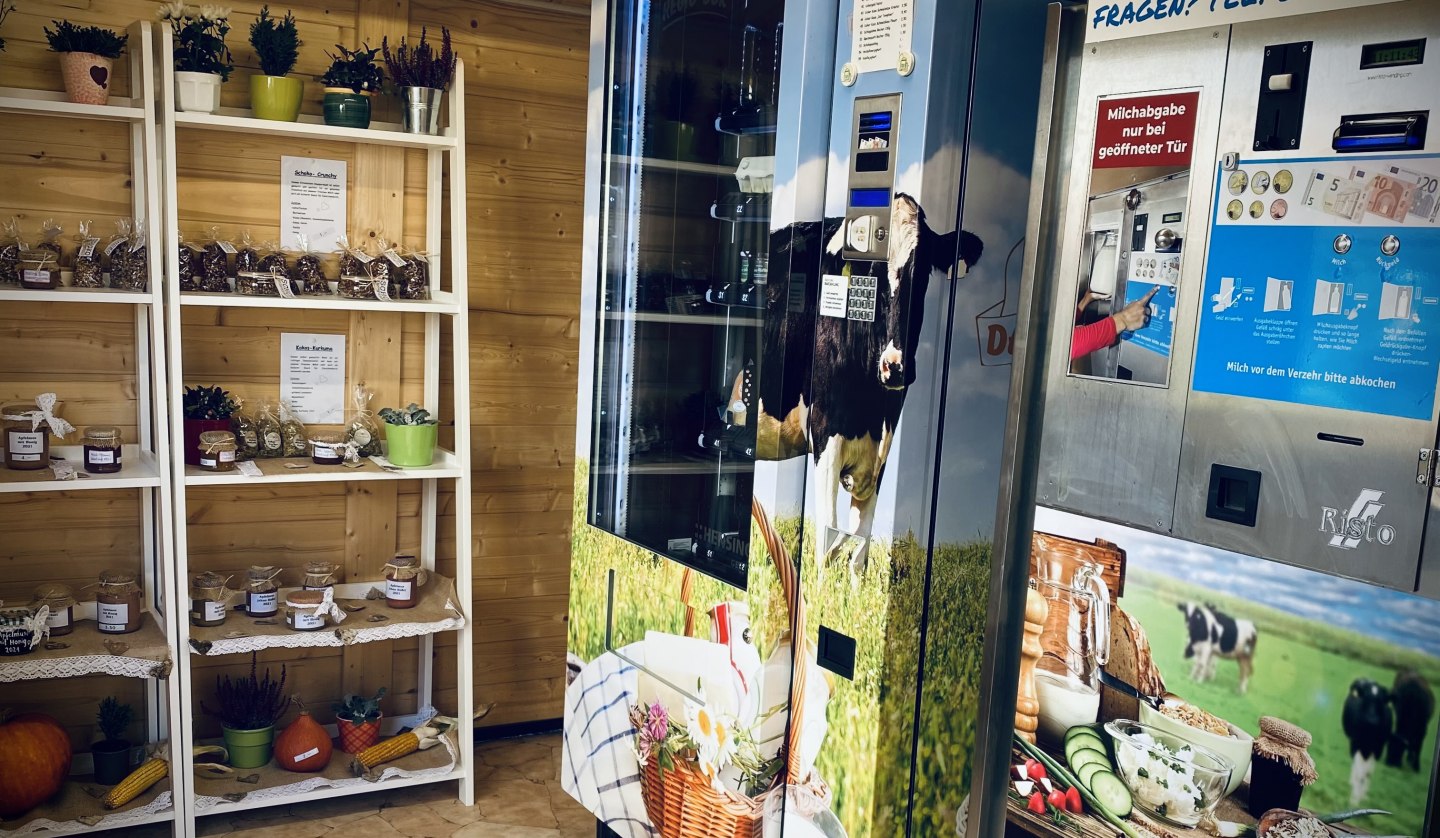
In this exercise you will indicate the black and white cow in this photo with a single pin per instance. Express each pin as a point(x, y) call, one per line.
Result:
point(1213, 634)
point(834, 387)
point(1414, 704)
point(1368, 722)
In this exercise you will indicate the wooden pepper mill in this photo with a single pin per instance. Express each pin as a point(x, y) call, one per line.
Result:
point(1027, 702)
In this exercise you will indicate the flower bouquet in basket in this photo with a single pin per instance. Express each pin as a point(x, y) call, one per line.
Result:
point(699, 773)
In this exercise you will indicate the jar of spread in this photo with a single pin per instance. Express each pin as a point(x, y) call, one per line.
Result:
point(61, 602)
point(28, 426)
point(208, 598)
point(117, 602)
point(312, 610)
point(38, 270)
point(217, 451)
point(1281, 766)
point(102, 449)
point(320, 575)
point(22, 629)
point(403, 576)
point(262, 595)
point(326, 449)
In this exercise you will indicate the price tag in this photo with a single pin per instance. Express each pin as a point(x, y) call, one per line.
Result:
point(364, 257)
point(382, 289)
point(227, 247)
point(87, 248)
point(283, 285)
point(395, 259)
point(114, 243)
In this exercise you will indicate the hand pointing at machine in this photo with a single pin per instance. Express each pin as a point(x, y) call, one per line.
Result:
point(1135, 315)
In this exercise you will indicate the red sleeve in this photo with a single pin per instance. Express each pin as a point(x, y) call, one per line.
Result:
point(1087, 339)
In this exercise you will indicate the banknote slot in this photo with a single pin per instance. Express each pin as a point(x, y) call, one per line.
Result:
point(1340, 438)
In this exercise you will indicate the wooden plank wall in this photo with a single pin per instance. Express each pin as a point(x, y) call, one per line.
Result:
point(525, 101)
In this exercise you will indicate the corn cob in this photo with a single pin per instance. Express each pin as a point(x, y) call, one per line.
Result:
point(381, 752)
point(148, 774)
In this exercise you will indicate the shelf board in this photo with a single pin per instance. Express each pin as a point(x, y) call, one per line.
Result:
point(436, 612)
point(240, 121)
point(139, 473)
point(52, 103)
point(682, 166)
point(79, 295)
point(146, 655)
point(685, 319)
point(446, 465)
point(61, 814)
point(444, 302)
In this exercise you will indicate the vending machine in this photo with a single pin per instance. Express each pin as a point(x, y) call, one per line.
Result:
point(1225, 377)
point(801, 276)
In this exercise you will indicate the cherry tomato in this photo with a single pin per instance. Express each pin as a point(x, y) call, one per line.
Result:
point(1037, 803)
point(1057, 799)
point(1073, 803)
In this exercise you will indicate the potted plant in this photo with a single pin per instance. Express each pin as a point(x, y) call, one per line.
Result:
point(87, 56)
point(112, 754)
point(358, 720)
point(421, 76)
point(352, 79)
point(202, 60)
point(248, 709)
point(410, 436)
point(273, 94)
point(204, 409)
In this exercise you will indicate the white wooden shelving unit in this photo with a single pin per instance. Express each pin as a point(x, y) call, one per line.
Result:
point(445, 163)
point(151, 651)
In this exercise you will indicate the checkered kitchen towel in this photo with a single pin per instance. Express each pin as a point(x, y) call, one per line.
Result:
point(599, 767)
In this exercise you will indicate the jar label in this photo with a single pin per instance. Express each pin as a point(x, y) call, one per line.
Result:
point(35, 278)
point(207, 462)
point(265, 603)
point(58, 619)
point(310, 753)
point(318, 587)
point(25, 446)
point(273, 441)
point(401, 589)
point(227, 456)
point(305, 620)
point(213, 611)
point(100, 456)
point(113, 616)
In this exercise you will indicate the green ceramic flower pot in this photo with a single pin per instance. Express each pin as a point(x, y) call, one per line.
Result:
point(249, 748)
point(411, 446)
point(346, 108)
point(276, 97)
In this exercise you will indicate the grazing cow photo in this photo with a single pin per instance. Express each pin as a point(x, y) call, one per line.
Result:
point(1414, 704)
point(839, 394)
point(1212, 634)
point(1367, 721)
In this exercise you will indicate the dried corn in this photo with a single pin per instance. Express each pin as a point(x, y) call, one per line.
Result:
point(381, 752)
point(148, 774)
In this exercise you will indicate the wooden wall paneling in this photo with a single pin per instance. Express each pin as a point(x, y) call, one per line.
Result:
point(74, 701)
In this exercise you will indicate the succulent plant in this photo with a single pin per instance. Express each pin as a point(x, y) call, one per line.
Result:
point(413, 414)
point(359, 709)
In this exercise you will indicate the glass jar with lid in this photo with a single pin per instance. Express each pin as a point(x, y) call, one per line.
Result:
point(308, 610)
point(27, 447)
point(117, 602)
point(61, 602)
point(403, 577)
point(320, 575)
point(262, 594)
point(326, 450)
point(217, 451)
point(208, 598)
point(102, 449)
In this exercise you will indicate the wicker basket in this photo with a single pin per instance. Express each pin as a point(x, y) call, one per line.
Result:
point(680, 801)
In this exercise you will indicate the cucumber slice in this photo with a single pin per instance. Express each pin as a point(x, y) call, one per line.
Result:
point(1087, 738)
point(1087, 772)
point(1112, 794)
point(1082, 730)
point(1085, 756)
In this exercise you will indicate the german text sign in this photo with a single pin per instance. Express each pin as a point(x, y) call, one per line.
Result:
point(1112, 19)
point(1153, 130)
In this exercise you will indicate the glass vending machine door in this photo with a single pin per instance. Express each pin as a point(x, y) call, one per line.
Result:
point(688, 171)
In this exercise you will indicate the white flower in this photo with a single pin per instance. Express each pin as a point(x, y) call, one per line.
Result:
point(714, 744)
point(171, 11)
point(214, 13)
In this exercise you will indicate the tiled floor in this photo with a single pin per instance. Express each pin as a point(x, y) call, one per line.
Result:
point(517, 795)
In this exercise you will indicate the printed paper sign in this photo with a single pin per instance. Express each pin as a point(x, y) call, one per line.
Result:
point(834, 295)
point(882, 33)
point(1112, 19)
point(1155, 130)
point(312, 203)
point(312, 377)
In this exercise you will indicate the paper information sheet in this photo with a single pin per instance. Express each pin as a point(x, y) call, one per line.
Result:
point(312, 202)
point(882, 33)
point(312, 377)
point(834, 295)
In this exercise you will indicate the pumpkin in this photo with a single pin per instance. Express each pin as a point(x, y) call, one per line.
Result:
point(34, 761)
point(304, 745)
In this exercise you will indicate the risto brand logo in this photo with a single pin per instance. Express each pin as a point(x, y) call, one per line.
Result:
point(1349, 529)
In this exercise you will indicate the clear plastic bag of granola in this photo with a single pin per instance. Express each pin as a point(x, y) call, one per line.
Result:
point(214, 263)
point(413, 279)
point(50, 233)
point(352, 259)
point(247, 435)
point(363, 431)
point(11, 243)
point(271, 273)
point(88, 258)
point(267, 430)
point(188, 258)
point(293, 436)
point(309, 270)
point(272, 260)
point(247, 258)
point(118, 248)
point(134, 272)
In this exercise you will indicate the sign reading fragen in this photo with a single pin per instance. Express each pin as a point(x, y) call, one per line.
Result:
point(1113, 19)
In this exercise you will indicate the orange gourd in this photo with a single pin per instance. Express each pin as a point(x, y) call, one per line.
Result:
point(304, 745)
point(34, 761)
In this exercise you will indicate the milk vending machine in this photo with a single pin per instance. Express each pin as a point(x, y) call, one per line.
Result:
point(801, 274)
point(1225, 408)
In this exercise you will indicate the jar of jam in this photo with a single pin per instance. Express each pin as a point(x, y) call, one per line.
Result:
point(61, 602)
point(311, 610)
point(27, 447)
point(38, 269)
point(326, 449)
point(208, 598)
point(102, 449)
point(1281, 766)
point(117, 602)
point(22, 629)
point(217, 451)
point(403, 576)
point(262, 595)
point(320, 575)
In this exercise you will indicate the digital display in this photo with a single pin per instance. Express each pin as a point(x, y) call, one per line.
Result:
point(1392, 54)
point(1170, 218)
point(872, 161)
point(869, 198)
point(877, 121)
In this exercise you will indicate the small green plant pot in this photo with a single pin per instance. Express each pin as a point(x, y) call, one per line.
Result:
point(276, 97)
point(112, 761)
point(411, 446)
point(346, 108)
point(249, 748)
